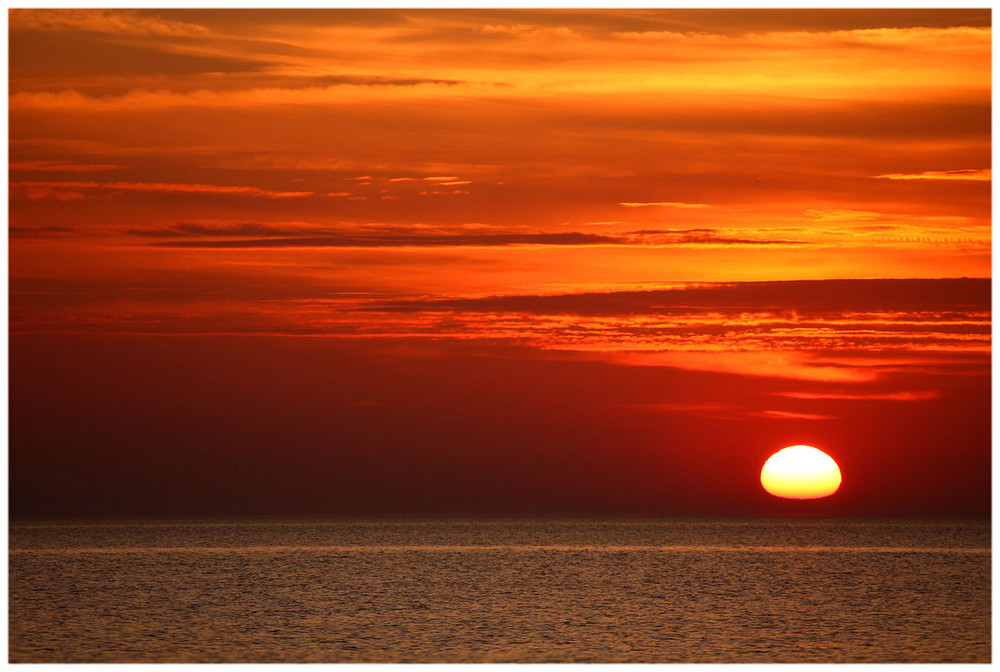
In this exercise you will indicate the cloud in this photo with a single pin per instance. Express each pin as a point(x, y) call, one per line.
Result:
point(789, 415)
point(790, 300)
point(705, 237)
point(380, 238)
point(225, 228)
point(743, 329)
point(111, 21)
point(768, 364)
point(748, 21)
point(750, 116)
point(968, 175)
point(37, 189)
point(665, 205)
point(62, 166)
point(843, 227)
point(929, 40)
point(528, 31)
point(724, 116)
point(835, 215)
point(218, 98)
point(285, 82)
point(240, 76)
point(38, 231)
point(415, 240)
point(908, 395)
point(794, 330)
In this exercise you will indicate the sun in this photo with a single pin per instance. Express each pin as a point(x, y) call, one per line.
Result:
point(800, 472)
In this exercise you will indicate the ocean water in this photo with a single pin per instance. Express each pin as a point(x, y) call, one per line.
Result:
point(475, 591)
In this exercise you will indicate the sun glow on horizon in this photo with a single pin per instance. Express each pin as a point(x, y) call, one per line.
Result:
point(800, 472)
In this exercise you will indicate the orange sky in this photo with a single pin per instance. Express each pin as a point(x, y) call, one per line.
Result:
point(537, 187)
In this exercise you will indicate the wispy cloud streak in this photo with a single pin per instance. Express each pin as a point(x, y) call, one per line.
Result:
point(449, 240)
point(664, 204)
point(62, 166)
point(905, 395)
point(970, 175)
point(42, 189)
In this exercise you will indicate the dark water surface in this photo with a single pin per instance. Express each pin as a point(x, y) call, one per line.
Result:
point(473, 591)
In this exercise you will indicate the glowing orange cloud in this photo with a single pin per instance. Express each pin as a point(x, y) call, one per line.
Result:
point(918, 395)
point(970, 175)
point(666, 205)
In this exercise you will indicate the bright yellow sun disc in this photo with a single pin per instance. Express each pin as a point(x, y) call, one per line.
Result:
point(800, 472)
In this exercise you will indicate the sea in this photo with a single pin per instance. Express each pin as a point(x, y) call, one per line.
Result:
point(779, 590)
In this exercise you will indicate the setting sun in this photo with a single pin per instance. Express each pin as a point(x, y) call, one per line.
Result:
point(800, 472)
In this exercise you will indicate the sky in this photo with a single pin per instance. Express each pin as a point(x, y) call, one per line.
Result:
point(501, 262)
